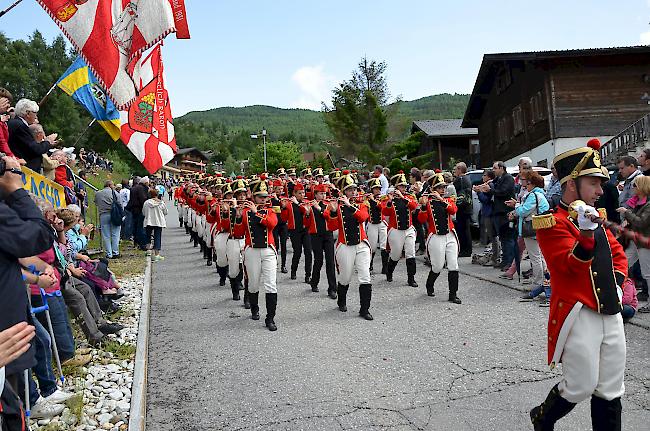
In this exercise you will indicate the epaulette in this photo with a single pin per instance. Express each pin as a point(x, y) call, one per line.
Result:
point(543, 221)
point(603, 213)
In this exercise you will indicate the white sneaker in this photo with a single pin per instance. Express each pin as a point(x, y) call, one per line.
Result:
point(43, 409)
point(59, 396)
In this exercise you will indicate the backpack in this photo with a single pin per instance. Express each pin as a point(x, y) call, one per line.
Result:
point(117, 212)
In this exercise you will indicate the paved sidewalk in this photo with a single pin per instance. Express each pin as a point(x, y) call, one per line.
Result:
point(422, 364)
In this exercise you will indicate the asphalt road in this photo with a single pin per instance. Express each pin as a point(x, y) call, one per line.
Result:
point(422, 364)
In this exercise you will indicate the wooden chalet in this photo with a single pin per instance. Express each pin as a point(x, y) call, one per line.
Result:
point(448, 140)
point(540, 104)
point(190, 159)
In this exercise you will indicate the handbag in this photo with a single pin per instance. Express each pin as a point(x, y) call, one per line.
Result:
point(527, 230)
point(117, 212)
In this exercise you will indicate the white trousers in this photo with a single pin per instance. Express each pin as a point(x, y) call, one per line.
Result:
point(351, 257)
point(234, 249)
point(441, 249)
point(536, 260)
point(401, 240)
point(377, 234)
point(207, 233)
point(182, 212)
point(261, 269)
point(593, 359)
point(220, 247)
point(199, 225)
point(192, 219)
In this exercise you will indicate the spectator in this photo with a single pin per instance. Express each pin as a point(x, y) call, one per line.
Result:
point(451, 189)
point(81, 193)
point(5, 105)
point(463, 187)
point(630, 302)
point(154, 211)
point(609, 201)
point(62, 173)
point(502, 189)
point(554, 192)
point(628, 170)
point(644, 161)
point(534, 203)
point(24, 233)
point(21, 140)
point(487, 221)
point(110, 233)
point(425, 181)
point(379, 171)
point(639, 221)
point(127, 225)
point(161, 190)
point(139, 194)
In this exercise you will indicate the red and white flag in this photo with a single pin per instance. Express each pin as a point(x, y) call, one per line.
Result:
point(111, 33)
point(147, 128)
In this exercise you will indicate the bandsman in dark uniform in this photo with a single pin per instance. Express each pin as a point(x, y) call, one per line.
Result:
point(376, 228)
point(322, 241)
point(442, 244)
point(280, 232)
point(587, 267)
point(231, 214)
point(293, 212)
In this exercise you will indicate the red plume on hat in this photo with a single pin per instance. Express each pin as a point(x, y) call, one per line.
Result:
point(594, 144)
point(239, 177)
point(346, 172)
point(262, 177)
point(437, 171)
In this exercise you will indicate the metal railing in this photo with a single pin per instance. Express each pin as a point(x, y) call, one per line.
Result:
point(627, 142)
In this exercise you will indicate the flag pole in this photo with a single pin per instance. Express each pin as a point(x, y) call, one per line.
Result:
point(10, 7)
point(84, 132)
point(48, 92)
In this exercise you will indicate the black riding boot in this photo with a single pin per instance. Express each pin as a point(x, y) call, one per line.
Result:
point(606, 415)
point(431, 280)
point(208, 255)
point(201, 246)
point(390, 267)
point(452, 278)
point(271, 305)
point(241, 277)
point(372, 260)
point(187, 230)
point(384, 261)
point(247, 299)
point(410, 271)
point(195, 239)
point(365, 294)
point(255, 307)
point(234, 286)
point(342, 292)
point(223, 274)
point(550, 411)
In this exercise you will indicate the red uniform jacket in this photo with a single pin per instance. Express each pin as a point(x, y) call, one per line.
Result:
point(213, 214)
point(293, 214)
point(437, 215)
point(349, 222)
point(584, 272)
point(315, 221)
point(257, 227)
point(400, 212)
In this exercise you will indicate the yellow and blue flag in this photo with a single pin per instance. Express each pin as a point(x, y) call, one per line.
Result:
point(78, 81)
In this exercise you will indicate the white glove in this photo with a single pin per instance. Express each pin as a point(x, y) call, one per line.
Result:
point(584, 222)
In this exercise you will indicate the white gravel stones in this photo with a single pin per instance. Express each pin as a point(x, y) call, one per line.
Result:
point(106, 386)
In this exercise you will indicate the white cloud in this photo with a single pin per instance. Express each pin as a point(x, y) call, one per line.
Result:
point(314, 85)
point(644, 39)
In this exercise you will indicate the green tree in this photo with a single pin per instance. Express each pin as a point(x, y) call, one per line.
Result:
point(278, 154)
point(358, 119)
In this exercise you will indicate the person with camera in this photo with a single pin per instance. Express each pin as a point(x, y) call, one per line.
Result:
point(21, 140)
point(24, 233)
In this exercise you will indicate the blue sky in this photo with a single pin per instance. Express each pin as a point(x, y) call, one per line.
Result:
point(292, 53)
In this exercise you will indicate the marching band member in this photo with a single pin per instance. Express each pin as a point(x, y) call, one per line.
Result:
point(376, 227)
point(306, 177)
point(442, 245)
point(178, 198)
point(212, 216)
point(291, 181)
point(280, 232)
point(588, 267)
point(293, 212)
point(260, 257)
point(235, 243)
point(399, 209)
point(220, 235)
point(322, 241)
point(352, 249)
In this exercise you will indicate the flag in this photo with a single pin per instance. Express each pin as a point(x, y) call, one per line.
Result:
point(79, 83)
point(111, 33)
point(147, 128)
point(180, 19)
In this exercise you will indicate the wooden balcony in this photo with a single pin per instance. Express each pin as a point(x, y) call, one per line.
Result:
point(628, 142)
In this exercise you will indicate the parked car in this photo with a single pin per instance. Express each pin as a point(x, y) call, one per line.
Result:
point(476, 177)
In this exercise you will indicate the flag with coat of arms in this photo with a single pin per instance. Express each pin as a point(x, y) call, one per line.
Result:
point(147, 128)
point(79, 83)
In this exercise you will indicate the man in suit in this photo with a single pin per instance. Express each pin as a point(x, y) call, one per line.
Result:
point(464, 215)
point(21, 139)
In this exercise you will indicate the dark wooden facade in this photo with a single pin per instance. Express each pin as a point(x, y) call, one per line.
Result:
point(189, 159)
point(523, 100)
point(448, 141)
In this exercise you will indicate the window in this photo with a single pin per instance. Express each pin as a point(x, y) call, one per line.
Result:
point(537, 108)
point(503, 130)
point(503, 79)
point(517, 120)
